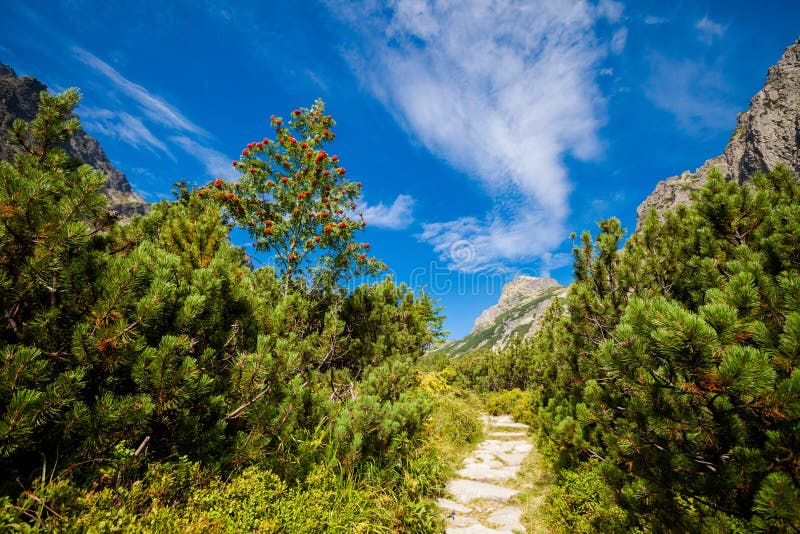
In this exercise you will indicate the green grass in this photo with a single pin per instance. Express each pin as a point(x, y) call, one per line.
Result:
point(183, 496)
point(535, 484)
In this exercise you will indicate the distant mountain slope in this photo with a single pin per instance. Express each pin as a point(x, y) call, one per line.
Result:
point(519, 312)
point(19, 98)
point(766, 134)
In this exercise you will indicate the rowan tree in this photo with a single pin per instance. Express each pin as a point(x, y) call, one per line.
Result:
point(295, 200)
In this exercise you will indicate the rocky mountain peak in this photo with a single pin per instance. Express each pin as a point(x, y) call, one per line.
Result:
point(767, 134)
point(519, 313)
point(5, 71)
point(514, 293)
point(787, 66)
point(19, 98)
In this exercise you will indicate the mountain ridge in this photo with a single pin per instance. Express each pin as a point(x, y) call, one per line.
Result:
point(19, 98)
point(766, 134)
point(518, 313)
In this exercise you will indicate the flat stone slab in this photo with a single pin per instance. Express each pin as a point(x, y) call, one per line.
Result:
point(501, 420)
point(507, 518)
point(464, 491)
point(519, 446)
point(452, 506)
point(512, 458)
point(507, 434)
point(485, 459)
point(477, 528)
point(487, 473)
point(495, 446)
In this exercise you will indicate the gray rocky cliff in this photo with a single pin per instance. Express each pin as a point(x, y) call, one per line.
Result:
point(518, 313)
point(767, 134)
point(515, 293)
point(19, 98)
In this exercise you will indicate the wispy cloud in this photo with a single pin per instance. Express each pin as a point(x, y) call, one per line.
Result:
point(610, 10)
point(693, 91)
point(143, 180)
point(618, 40)
point(708, 30)
point(550, 262)
point(156, 113)
point(217, 165)
point(316, 79)
point(503, 91)
point(652, 20)
point(398, 216)
point(473, 244)
point(124, 127)
point(155, 108)
point(601, 206)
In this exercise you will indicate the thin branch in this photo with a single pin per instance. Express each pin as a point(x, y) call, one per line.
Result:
point(141, 446)
point(244, 406)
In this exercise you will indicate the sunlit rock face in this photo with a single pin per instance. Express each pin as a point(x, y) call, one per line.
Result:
point(766, 134)
point(518, 313)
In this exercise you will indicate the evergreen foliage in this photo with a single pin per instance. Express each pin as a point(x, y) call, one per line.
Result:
point(675, 367)
point(665, 390)
point(145, 364)
point(150, 380)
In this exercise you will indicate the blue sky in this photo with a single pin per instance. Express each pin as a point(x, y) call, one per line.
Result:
point(484, 132)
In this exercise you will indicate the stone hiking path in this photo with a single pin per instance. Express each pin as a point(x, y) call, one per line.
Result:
point(480, 496)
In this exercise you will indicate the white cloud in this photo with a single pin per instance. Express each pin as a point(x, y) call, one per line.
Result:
point(693, 91)
point(217, 165)
point(157, 113)
point(550, 262)
point(709, 29)
point(600, 206)
point(398, 216)
point(152, 106)
point(501, 90)
point(471, 244)
point(316, 79)
point(610, 10)
point(124, 127)
point(618, 40)
point(652, 20)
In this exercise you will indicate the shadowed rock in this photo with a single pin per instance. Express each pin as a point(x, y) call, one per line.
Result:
point(19, 98)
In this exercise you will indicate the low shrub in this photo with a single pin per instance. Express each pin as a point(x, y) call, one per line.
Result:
point(514, 402)
point(580, 501)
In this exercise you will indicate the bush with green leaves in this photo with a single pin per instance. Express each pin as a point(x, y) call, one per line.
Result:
point(128, 347)
point(675, 365)
point(581, 502)
point(486, 370)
